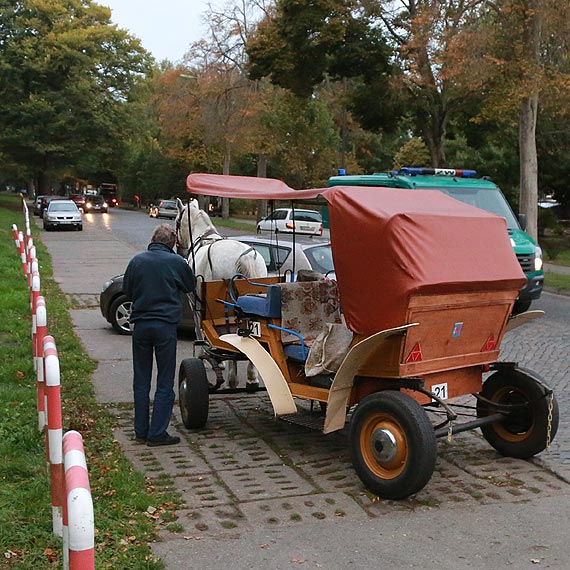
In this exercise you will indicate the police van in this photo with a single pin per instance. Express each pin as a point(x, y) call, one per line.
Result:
point(480, 192)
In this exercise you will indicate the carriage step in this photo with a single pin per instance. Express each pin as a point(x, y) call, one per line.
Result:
point(311, 421)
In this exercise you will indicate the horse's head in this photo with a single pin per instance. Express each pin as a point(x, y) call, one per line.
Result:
point(191, 223)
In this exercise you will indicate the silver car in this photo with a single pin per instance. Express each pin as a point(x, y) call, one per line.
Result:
point(62, 214)
point(310, 253)
point(164, 209)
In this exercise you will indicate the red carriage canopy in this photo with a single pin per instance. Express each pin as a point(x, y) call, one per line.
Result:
point(389, 244)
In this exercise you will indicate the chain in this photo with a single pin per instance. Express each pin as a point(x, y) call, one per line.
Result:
point(549, 424)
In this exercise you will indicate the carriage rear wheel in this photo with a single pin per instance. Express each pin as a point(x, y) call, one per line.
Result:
point(524, 432)
point(393, 444)
point(193, 393)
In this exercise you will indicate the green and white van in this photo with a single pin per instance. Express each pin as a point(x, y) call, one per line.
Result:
point(480, 192)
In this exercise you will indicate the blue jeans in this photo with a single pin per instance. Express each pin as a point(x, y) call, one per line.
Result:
point(158, 339)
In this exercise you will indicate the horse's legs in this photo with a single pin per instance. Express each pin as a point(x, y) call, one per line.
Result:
point(232, 374)
point(252, 377)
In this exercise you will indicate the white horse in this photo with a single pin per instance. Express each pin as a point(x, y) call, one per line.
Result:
point(212, 257)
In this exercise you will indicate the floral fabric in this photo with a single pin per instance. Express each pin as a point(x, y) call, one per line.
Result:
point(306, 307)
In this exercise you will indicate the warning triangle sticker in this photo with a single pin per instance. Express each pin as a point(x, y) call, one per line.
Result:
point(415, 355)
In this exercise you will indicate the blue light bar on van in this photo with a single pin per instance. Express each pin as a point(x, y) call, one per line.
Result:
point(438, 172)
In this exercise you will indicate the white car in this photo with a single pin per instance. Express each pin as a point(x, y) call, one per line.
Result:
point(285, 220)
point(62, 214)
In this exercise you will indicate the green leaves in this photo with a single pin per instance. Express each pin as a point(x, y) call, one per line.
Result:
point(66, 76)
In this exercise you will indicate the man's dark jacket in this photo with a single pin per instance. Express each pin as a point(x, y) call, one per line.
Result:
point(154, 280)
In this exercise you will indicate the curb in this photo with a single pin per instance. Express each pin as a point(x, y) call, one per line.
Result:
point(556, 291)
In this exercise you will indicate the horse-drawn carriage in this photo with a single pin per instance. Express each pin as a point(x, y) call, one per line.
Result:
point(423, 294)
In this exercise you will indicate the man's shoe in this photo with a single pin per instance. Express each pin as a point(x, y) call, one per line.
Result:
point(140, 438)
point(165, 439)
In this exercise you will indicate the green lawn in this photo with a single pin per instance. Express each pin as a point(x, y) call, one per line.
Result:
point(123, 499)
point(557, 280)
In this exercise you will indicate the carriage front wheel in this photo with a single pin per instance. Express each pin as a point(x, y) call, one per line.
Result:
point(393, 444)
point(193, 393)
point(533, 420)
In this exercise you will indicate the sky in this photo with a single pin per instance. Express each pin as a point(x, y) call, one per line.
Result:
point(166, 28)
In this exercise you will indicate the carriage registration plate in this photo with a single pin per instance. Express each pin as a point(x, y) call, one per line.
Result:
point(306, 228)
point(440, 390)
point(255, 328)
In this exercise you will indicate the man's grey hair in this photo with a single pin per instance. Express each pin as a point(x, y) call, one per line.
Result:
point(164, 234)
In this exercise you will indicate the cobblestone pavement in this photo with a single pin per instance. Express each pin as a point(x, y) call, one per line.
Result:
point(247, 470)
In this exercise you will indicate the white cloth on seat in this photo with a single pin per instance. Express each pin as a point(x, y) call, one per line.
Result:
point(328, 350)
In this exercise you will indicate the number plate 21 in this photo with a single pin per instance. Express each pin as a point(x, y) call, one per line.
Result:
point(440, 390)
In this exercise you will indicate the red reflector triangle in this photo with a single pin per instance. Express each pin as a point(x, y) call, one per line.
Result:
point(415, 355)
point(489, 345)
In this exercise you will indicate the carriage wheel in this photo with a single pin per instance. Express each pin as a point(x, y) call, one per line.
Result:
point(193, 393)
point(524, 432)
point(393, 444)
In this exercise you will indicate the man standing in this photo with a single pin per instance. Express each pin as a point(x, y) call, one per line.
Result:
point(153, 280)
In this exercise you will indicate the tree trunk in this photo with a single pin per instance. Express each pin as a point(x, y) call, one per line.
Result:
point(528, 202)
point(227, 162)
point(261, 210)
point(43, 183)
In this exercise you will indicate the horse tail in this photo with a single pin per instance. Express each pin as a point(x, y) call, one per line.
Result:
point(247, 264)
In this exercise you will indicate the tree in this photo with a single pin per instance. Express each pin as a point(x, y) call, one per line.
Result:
point(518, 54)
point(66, 75)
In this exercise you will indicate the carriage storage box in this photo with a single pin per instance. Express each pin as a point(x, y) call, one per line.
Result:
point(482, 193)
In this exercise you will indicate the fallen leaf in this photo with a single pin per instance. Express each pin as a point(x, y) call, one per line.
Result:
point(264, 546)
point(151, 510)
point(20, 374)
point(535, 560)
point(298, 560)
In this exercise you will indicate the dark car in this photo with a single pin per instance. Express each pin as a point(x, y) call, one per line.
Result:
point(38, 204)
point(95, 204)
point(310, 253)
point(116, 307)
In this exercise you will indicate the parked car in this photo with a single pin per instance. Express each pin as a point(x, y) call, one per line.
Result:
point(62, 214)
point(285, 220)
point(164, 209)
point(46, 200)
point(38, 204)
point(95, 204)
point(278, 255)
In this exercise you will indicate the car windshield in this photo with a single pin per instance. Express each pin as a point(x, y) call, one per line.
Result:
point(320, 258)
point(169, 204)
point(489, 199)
point(62, 207)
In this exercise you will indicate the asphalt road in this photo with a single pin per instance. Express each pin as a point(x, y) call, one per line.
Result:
point(260, 493)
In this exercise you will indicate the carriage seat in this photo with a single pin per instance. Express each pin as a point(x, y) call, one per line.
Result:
point(266, 305)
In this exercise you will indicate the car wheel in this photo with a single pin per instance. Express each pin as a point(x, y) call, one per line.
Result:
point(521, 307)
point(80, 228)
point(258, 230)
point(120, 314)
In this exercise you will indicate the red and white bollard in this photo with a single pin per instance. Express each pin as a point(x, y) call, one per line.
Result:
point(41, 331)
point(34, 291)
point(55, 431)
point(78, 519)
point(15, 234)
point(22, 251)
point(30, 256)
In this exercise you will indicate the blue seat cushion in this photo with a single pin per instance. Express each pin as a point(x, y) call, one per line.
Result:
point(267, 305)
point(296, 352)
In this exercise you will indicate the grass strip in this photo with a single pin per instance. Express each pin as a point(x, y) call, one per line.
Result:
point(128, 509)
point(557, 280)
